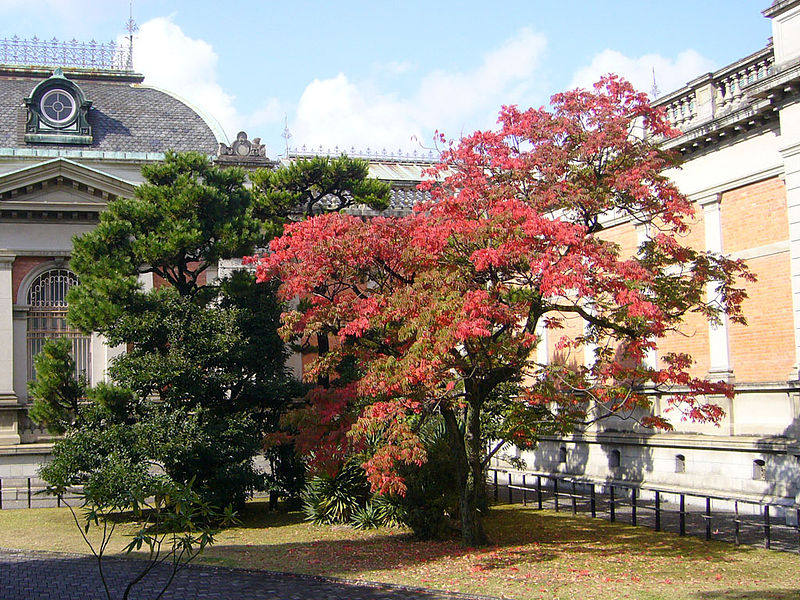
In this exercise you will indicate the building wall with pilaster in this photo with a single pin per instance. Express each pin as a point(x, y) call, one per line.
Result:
point(742, 172)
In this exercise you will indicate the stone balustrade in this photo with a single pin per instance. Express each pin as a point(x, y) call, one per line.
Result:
point(718, 94)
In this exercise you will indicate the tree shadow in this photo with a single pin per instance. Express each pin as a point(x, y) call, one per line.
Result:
point(528, 538)
point(104, 125)
point(781, 469)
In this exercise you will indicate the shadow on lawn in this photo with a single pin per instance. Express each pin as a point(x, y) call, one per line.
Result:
point(522, 537)
point(773, 594)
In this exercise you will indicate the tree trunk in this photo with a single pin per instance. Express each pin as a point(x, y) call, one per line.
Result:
point(472, 533)
point(323, 347)
point(466, 448)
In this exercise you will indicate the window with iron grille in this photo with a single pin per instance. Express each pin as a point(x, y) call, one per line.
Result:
point(47, 319)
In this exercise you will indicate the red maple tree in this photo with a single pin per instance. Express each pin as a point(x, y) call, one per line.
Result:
point(441, 311)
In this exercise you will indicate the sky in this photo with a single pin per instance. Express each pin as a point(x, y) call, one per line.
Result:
point(388, 74)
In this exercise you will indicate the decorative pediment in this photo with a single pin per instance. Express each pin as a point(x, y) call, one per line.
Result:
point(60, 184)
point(243, 151)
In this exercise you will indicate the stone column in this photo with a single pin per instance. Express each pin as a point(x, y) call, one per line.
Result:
point(9, 417)
point(7, 394)
point(542, 353)
point(720, 367)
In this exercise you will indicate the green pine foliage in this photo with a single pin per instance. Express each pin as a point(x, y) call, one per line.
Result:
point(55, 392)
point(203, 377)
point(316, 185)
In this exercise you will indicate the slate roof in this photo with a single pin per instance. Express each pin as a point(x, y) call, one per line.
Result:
point(125, 117)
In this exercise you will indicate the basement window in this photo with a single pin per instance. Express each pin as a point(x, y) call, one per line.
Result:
point(680, 463)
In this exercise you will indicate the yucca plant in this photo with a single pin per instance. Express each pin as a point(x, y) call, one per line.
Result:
point(366, 517)
point(332, 499)
point(389, 510)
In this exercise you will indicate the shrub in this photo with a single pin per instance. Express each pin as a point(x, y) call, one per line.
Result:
point(334, 499)
point(431, 504)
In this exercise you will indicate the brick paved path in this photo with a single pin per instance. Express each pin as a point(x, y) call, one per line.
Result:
point(26, 575)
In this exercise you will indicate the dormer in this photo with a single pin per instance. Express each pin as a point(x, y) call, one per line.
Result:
point(57, 113)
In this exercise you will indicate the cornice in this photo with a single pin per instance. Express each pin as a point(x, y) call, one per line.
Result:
point(713, 131)
point(779, 7)
point(784, 75)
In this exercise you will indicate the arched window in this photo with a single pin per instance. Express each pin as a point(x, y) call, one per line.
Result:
point(614, 459)
point(47, 319)
point(562, 454)
point(759, 470)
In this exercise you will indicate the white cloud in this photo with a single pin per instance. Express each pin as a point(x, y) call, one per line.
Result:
point(339, 111)
point(171, 60)
point(397, 67)
point(671, 73)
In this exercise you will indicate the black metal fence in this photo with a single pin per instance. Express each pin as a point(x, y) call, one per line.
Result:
point(738, 520)
point(27, 492)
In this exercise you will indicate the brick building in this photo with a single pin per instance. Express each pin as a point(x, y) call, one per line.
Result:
point(741, 149)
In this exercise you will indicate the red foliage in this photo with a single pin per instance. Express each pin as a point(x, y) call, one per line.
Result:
point(440, 307)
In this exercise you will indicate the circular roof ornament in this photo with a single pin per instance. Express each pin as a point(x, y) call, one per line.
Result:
point(58, 106)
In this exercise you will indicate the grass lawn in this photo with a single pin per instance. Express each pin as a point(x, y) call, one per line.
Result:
point(536, 555)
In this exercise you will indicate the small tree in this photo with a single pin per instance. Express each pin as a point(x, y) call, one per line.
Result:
point(442, 310)
point(312, 186)
point(55, 391)
point(173, 525)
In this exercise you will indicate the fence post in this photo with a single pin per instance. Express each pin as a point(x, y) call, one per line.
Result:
point(496, 487)
point(658, 510)
point(539, 491)
point(633, 506)
point(708, 518)
point(798, 529)
point(555, 491)
point(682, 516)
point(766, 527)
point(593, 501)
point(574, 499)
point(524, 492)
point(611, 504)
point(736, 539)
point(510, 492)
point(1, 494)
point(29, 492)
